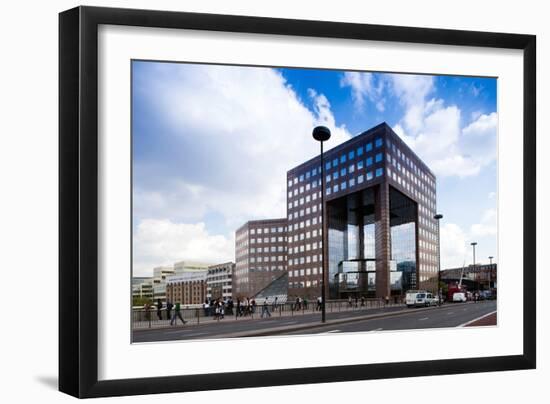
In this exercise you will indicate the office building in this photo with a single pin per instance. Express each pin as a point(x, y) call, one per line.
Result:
point(260, 255)
point(380, 202)
point(219, 281)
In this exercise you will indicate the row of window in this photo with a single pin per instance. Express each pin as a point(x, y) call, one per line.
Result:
point(304, 224)
point(305, 260)
point(279, 239)
point(259, 230)
point(342, 186)
point(267, 259)
point(304, 248)
point(304, 212)
point(305, 272)
point(268, 249)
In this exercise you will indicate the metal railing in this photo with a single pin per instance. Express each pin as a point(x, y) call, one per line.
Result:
point(153, 318)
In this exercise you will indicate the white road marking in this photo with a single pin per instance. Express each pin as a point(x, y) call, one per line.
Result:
point(422, 319)
point(377, 329)
point(334, 331)
point(475, 319)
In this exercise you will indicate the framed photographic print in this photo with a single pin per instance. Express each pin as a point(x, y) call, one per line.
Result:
point(250, 201)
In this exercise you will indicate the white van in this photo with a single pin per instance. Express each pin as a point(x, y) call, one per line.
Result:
point(415, 298)
point(459, 297)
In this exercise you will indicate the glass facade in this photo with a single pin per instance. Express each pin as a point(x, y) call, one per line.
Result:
point(403, 242)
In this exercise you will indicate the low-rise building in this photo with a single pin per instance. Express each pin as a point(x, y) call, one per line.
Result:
point(188, 288)
point(219, 281)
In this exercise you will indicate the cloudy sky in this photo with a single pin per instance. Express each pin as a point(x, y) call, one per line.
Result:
point(212, 145)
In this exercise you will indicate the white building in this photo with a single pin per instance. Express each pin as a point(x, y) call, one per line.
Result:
point(219, 281)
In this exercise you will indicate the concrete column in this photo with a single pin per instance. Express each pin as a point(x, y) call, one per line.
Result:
point(382, 240)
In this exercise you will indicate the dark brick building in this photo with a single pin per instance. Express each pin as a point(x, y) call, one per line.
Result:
point(260, 255)
point(380, 203)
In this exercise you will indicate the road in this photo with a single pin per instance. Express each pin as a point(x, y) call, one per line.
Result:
point(446, 316)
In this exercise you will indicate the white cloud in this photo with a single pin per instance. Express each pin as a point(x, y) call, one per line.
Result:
point(433, 130)
point(163, 242)
point(454, 242)
point(363, 85)
point(487, 226)
point(230, 134)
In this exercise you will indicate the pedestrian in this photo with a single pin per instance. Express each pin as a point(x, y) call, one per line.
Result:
point(177, 314)
point(297, 304)
point(387, 300)
point(169, 306)
point(206, 307)
point(362, 301)
point(159, 309)
point(222, 309)
point(356, 301)
point(265, 309)
point(349, 301)
point(305, 303)
point(319, 303)
point(253, 303)
point(238, 312)
point(275, 302)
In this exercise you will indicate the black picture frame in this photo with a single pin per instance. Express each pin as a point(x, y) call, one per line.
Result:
point(78, 200)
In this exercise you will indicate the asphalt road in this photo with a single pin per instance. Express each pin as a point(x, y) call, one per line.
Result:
point(447, 316)
point(444, 317)
point(230, 326)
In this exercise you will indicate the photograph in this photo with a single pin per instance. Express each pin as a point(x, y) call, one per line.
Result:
point(282, 201)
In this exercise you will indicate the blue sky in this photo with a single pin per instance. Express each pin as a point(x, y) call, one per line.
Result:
point(212, 144)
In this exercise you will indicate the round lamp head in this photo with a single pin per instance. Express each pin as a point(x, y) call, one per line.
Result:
point(321, 133)
point(438, 216)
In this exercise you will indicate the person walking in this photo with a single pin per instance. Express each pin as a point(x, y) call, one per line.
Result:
point(265, 309)
point(177, 314)
point(238, 312)
point(159, 309)
point(362, 301)
point(319, 302)
point(169, 307)
point(349, 301)
point(274, 305)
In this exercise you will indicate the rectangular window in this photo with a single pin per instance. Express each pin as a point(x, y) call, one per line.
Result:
point(343, 158)
point(368, 147)
point(327, 165)
point(351, 168)
point(335, 188)
point(343, 185)
point(379, 172)
point(378, 157)
point(351, 154)
point(378, 142)
point(360, 165)
point(335, 175)
point(328, 178)
point(360, 179)
point(343, 172)
point(314, 172)
point(369, 176)
point(360, 151)
point(369, 161)
point(352, 182)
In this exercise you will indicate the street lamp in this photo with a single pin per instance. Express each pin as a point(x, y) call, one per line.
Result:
point(438, 217)
point(490, 270)
point(473, 244)
point(322, 134)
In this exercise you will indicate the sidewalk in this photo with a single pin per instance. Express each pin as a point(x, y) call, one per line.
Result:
point(196, 316)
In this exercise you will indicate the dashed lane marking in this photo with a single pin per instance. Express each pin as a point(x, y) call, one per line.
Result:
point(422, 319)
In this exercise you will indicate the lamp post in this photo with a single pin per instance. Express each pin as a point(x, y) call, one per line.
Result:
point(438, 217)
point(473, 244)
point(322, 134)
point(490, 270)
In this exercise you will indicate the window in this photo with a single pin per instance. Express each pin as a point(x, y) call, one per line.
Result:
point(308, 175)
point(328, 178)
point(360, 151)
point(343, 185)
point(360, 165)
point(352, 182)
point(369, 176)
point(335, 188)
point(343, 172)
point(351, 168)
point(369, 146)
point(360, 179)
point(301, 177)
point(378, 158)
point(327, 165)
point(379, 172)
point(343, 158)
point(314, 172)
point(378, 142)
point(369, 161)
point(334, 162)
point(351, 154)
point(335, 175)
